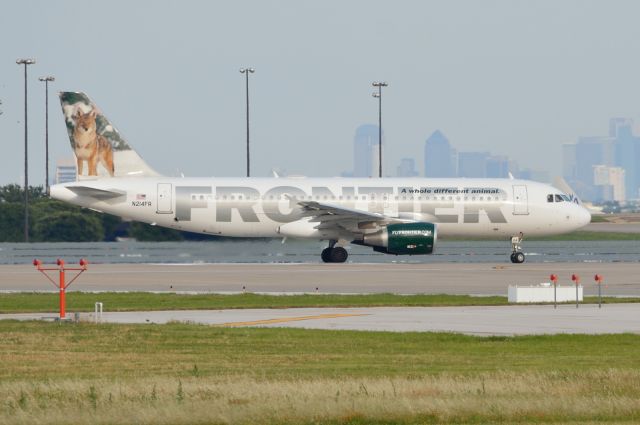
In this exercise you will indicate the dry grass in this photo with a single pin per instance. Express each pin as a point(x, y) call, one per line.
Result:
point(185, 374)
point(487, 398)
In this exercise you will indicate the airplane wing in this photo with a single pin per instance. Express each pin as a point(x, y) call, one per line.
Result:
point(339, 218)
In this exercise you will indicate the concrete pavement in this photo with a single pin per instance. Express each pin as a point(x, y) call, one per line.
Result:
point(501, 320)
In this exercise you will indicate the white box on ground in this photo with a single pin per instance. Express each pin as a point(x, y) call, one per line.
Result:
point(543, 293)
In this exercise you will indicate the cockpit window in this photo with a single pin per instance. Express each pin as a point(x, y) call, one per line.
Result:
point(566, 198)
point(549, 198)
point(559, 198)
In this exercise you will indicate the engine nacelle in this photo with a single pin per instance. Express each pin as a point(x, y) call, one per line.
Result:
point(403, 239)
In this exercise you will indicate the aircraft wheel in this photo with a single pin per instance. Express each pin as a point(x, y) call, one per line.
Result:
point(326, 255)
point(513, 257)
point(339, 255)
point(518, 257)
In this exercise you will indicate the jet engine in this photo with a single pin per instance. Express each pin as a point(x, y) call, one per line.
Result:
point(403, 239)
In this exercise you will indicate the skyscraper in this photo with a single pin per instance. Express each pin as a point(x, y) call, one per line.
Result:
point(569, 162)
point(627, 153)
point(65, 170)
point(589, 152)
point(439, 157)
point(497, 167)
point(407, 168)
point(609, 182)
point(365, 151)
point(472, 164)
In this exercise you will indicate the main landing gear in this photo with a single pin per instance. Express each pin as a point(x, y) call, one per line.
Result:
point(334, 254)
point(517, 256)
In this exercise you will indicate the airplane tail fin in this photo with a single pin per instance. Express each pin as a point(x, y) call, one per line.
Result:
point(99, 149)
point(562, 184)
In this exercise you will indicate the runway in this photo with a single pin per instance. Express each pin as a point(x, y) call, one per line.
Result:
point(620, 279)
point(503, 320)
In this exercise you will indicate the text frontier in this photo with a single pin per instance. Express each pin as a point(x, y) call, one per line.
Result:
point(249, 202)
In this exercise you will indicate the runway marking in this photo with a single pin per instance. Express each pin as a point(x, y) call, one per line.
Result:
point(288, 319)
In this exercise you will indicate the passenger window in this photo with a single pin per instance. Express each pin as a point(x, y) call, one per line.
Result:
point(549, 198)
point(558, 198)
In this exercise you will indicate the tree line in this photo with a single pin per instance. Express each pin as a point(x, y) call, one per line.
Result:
point(54, 221)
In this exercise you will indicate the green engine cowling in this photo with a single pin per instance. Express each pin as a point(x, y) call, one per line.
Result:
point(404, 239)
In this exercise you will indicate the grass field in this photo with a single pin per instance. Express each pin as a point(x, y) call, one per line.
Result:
point(134, 301)
point(179, 374)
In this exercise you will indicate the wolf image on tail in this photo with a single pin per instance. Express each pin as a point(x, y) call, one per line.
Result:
point(90, 146)
point(95, 141)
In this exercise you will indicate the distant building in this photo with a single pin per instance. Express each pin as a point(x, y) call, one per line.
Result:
point(497, 167)
point(587, 165)
point(439, 157)
point(535, 175)
point(65, 170)
point(627, 153)
point(580, 160)
point(610, 182)
point(472, 164)
point(407, 168)
point(365, 151)
point(569, 165)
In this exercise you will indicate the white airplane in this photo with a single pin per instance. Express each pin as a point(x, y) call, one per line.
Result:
point(401, 216)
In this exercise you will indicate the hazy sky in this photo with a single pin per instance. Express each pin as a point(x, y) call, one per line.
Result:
point(513, 77)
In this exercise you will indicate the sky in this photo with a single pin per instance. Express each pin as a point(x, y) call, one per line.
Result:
point(516, 78)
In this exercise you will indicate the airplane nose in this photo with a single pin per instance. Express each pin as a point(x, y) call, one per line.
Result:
point(584, 216)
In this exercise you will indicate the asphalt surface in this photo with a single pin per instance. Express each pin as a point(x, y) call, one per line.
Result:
point(503, 320)
point(613, 227)
point(620, 279)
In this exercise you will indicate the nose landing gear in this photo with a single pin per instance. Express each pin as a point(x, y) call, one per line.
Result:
point(517, 256)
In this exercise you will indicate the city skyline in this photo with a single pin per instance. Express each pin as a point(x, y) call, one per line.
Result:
point(515, 78)
point(605, 168)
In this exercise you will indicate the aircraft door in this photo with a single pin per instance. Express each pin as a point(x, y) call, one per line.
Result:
point(388, 205)
point(520, 200)
point(165, 202)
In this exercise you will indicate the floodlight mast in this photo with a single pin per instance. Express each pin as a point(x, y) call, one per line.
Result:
point(378, 94)
point(46, 81)
point(26, 62)
point(246, 72)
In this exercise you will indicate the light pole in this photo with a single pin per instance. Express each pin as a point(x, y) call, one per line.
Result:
point(246, 72)
point(378, 94)
point(46, 127)
point(26, 62)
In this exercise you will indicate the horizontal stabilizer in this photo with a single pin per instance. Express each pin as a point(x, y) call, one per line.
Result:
point(99, 194)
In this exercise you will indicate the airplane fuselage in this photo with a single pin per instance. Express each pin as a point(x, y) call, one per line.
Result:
point(267, 207)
